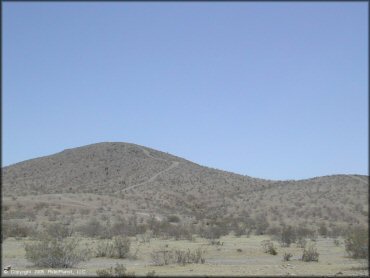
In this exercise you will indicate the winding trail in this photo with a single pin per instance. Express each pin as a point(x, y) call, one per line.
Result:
point(147, 153)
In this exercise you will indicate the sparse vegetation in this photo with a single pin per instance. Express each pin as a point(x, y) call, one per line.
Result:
point(165, 256)
point(17, 229)
point(118, 247)
point(310, 254)
point(268, 247)
point(288, 236)
point(162, 256)
point(357, 243)
point(104, 249)
point(301, 243)
point(118, 271)
point(55, 252)
point(287, 256)
point(121, 246)
point(185, 207)
point(151, 274)
point(173, 219)
point(336, 242)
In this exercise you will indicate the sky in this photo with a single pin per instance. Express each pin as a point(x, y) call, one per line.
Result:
point(268, 90)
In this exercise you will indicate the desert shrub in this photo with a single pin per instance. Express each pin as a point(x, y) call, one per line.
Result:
point(198, 256)
point(287, 256)
point(288, 236)
point(165, 229)
point(177, 232)
point(104, 249)
point(212, 232)
point(93, 228)
point(336, 231)
point(310, 254)
point(336, 242)
point(118, 271)
point(188, 257)
point(214, 242)
point(150, 273)
point(268, 247)
point(16, 229)
point(173, 219)
point(58, 230)
point(120, 227)
point(19, 213)
point(239, 230)
point(121, 246)
point(118, 247)
point(304, 232)
point(145, 237)
point(301, 243)
point(128, 227)
point(261, 224)
point(273, 231)
point(357, 243)
point(164, 256)
point(55, 252)
point(133, 228)
point(323, 230)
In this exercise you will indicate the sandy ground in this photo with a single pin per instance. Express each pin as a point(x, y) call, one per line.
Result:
point(222, 260)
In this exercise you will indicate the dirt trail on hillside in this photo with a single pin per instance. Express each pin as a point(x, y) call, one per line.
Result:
point(147, 153)
point(173, 165)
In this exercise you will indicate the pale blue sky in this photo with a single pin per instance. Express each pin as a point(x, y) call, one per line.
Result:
point(269, 90)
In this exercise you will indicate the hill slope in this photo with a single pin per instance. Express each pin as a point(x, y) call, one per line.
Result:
point(123, 178)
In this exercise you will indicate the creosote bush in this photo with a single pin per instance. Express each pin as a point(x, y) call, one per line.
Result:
point(268, 247)
point(104, 249)
point(173, 219)
point(336, 242)
point(151, 274)
point(165, 256)
point(189, 257)
point(288, 236)
point(162, 256)
point(56, 252)
point(118, 271)
point(287, 256)
point(118, 247)
point(121, 246)
point(310, 254)
point(357, 243)
point(16, 229)
point(301, 243)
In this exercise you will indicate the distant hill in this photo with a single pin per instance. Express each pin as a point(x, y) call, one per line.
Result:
point(123, 178)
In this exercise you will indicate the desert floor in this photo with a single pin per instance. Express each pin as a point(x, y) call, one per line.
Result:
point(221, 260)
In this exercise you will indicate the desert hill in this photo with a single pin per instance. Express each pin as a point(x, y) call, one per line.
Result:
point(111, 179)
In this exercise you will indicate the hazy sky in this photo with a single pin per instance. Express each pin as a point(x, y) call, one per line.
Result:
point(269, 90)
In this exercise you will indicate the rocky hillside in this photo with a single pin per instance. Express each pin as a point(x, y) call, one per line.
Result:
point(123, 178)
